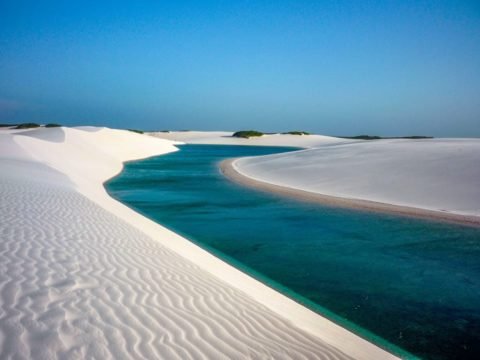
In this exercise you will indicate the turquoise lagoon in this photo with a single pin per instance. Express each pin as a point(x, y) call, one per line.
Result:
point(411, 283)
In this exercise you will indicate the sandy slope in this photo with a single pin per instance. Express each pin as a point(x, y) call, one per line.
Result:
point(434, 174)
point(83, 276)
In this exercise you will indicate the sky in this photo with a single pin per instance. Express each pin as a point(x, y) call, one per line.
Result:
point(331, 67)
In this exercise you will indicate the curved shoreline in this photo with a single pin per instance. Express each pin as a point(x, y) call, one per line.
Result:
point(228, 170)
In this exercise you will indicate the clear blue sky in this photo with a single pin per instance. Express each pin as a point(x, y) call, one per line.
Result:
point(332, 67)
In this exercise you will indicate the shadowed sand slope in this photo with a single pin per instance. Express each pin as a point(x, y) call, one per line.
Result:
point(83, 276)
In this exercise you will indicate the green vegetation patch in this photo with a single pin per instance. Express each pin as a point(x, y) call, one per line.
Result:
point(362, 137)
point(247, 134)
point(52, 125)
point(416, 137)
point(296, 133)
point(371, 137)
point(136, 131)
point(27, 126)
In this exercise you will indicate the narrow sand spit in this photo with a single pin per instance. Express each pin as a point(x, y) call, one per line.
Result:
point(230, 170)
point(436, 179)
point(83, 276)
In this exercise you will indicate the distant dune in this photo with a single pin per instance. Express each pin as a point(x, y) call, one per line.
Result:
point(225, 138)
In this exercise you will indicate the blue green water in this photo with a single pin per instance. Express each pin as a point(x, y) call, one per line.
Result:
point(412, 282)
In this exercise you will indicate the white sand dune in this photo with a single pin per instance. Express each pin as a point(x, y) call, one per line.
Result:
point(225, 138)
point(433, 174)
point(83, 276)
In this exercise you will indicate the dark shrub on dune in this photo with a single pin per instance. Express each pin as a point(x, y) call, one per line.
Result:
point(52, 125)
point(247, 134)
point(371, 137)
point(417, 137)
point(363, 137)
point(27, 126)
point(297, 133)
point(136, 131)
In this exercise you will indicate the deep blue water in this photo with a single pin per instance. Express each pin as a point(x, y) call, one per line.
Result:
point(412, 282)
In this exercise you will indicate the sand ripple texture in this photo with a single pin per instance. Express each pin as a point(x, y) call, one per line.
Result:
point(78, 282)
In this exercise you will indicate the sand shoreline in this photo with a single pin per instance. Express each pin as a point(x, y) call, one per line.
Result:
point(228, 169)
